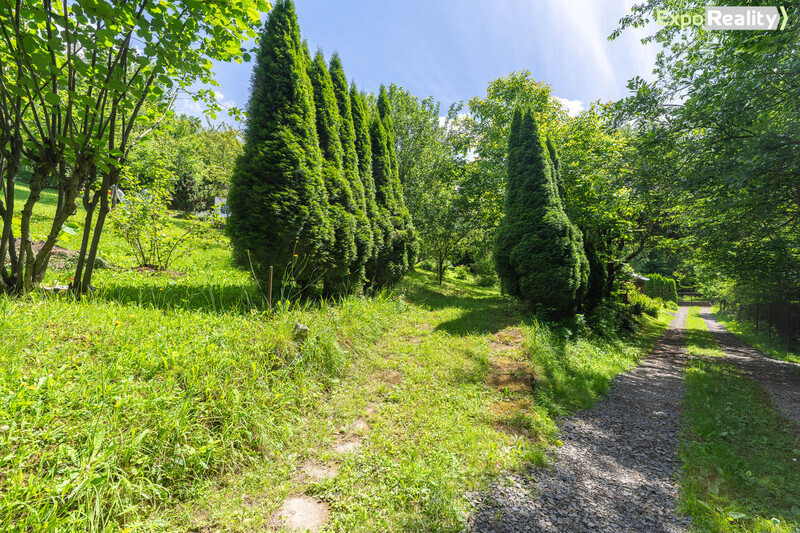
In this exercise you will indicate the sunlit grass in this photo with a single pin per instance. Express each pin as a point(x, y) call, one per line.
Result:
point(741, 471)
point(178, 402)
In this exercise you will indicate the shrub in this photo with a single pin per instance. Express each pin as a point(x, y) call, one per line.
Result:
point(461, 272)
point(659, 286)
point(538, 255)
point(641, 303)
point(142, 222)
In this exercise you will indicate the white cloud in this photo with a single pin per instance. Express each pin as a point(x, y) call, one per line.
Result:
point(573, 107)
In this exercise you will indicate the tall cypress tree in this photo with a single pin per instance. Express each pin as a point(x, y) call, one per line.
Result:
point(278, 200)
point(404, 238)
point(379, 219)
point(351, 173)
point(390, 263)
point(537, 256)
point(340, 196)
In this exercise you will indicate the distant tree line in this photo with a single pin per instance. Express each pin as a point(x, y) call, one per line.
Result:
point(316, 194)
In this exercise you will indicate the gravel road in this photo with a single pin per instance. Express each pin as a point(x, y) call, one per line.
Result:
point(780, 378)
point(616, 470)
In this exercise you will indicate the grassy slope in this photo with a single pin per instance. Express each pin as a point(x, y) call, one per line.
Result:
point(740, 457)
point(173, 403)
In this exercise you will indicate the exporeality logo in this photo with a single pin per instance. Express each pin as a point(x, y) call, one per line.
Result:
point(728, 18)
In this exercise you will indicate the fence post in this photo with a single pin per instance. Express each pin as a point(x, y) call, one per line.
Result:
point(270, 287)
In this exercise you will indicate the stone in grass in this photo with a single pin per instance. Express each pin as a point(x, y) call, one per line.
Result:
point(300, 333)
point(301, 513)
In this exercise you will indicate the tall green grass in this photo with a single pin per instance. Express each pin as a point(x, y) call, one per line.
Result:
point(574, 370)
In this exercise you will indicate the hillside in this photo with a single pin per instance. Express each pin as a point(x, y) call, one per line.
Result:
point(176, 400)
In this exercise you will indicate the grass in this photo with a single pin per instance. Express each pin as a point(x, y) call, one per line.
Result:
point(772, 346)
point(740, 457)
point(699, 341)
point(175, 402)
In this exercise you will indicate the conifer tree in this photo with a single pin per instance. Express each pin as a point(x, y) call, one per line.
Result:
point(577, 234)
point(404, 240)
point(342, 254)
point(557, 176)
point(391, 262)
point(350, 169)
point(598, 273)
point(536, 253)
point(379, 219)
point(277, 199)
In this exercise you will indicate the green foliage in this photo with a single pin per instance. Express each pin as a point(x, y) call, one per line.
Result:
point(537, 254)
point(363, 237)
point(400, 245)
point(643, 304)
point(278, 202)
point(86, 77)
point(342, 206)
point(659, 286)
point(598, 274)
point(378, 218)
point(719, 160)
point(142, 221)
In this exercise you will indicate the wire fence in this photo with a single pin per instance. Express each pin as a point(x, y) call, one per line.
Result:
point(781, 319)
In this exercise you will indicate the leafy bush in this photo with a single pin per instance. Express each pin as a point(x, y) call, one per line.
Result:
point(642, 304)
point(141, 221)
point(461, 272)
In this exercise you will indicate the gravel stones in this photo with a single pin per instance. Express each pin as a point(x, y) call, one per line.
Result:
point(781, 379)
point(616, 470)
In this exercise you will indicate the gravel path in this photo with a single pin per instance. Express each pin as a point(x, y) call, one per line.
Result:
point(781, 379)
point(616, 469)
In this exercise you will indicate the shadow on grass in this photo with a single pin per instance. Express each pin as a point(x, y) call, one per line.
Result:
point(738, 452)
point(483, 310)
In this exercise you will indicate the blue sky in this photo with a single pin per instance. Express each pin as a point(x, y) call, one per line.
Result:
point(452, 49)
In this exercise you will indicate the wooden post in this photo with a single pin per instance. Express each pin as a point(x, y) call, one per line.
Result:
point(270, 288)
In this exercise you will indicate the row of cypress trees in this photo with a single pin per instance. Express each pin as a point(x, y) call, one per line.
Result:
point(316, 193)
point(658, 286)
point(539, 252)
